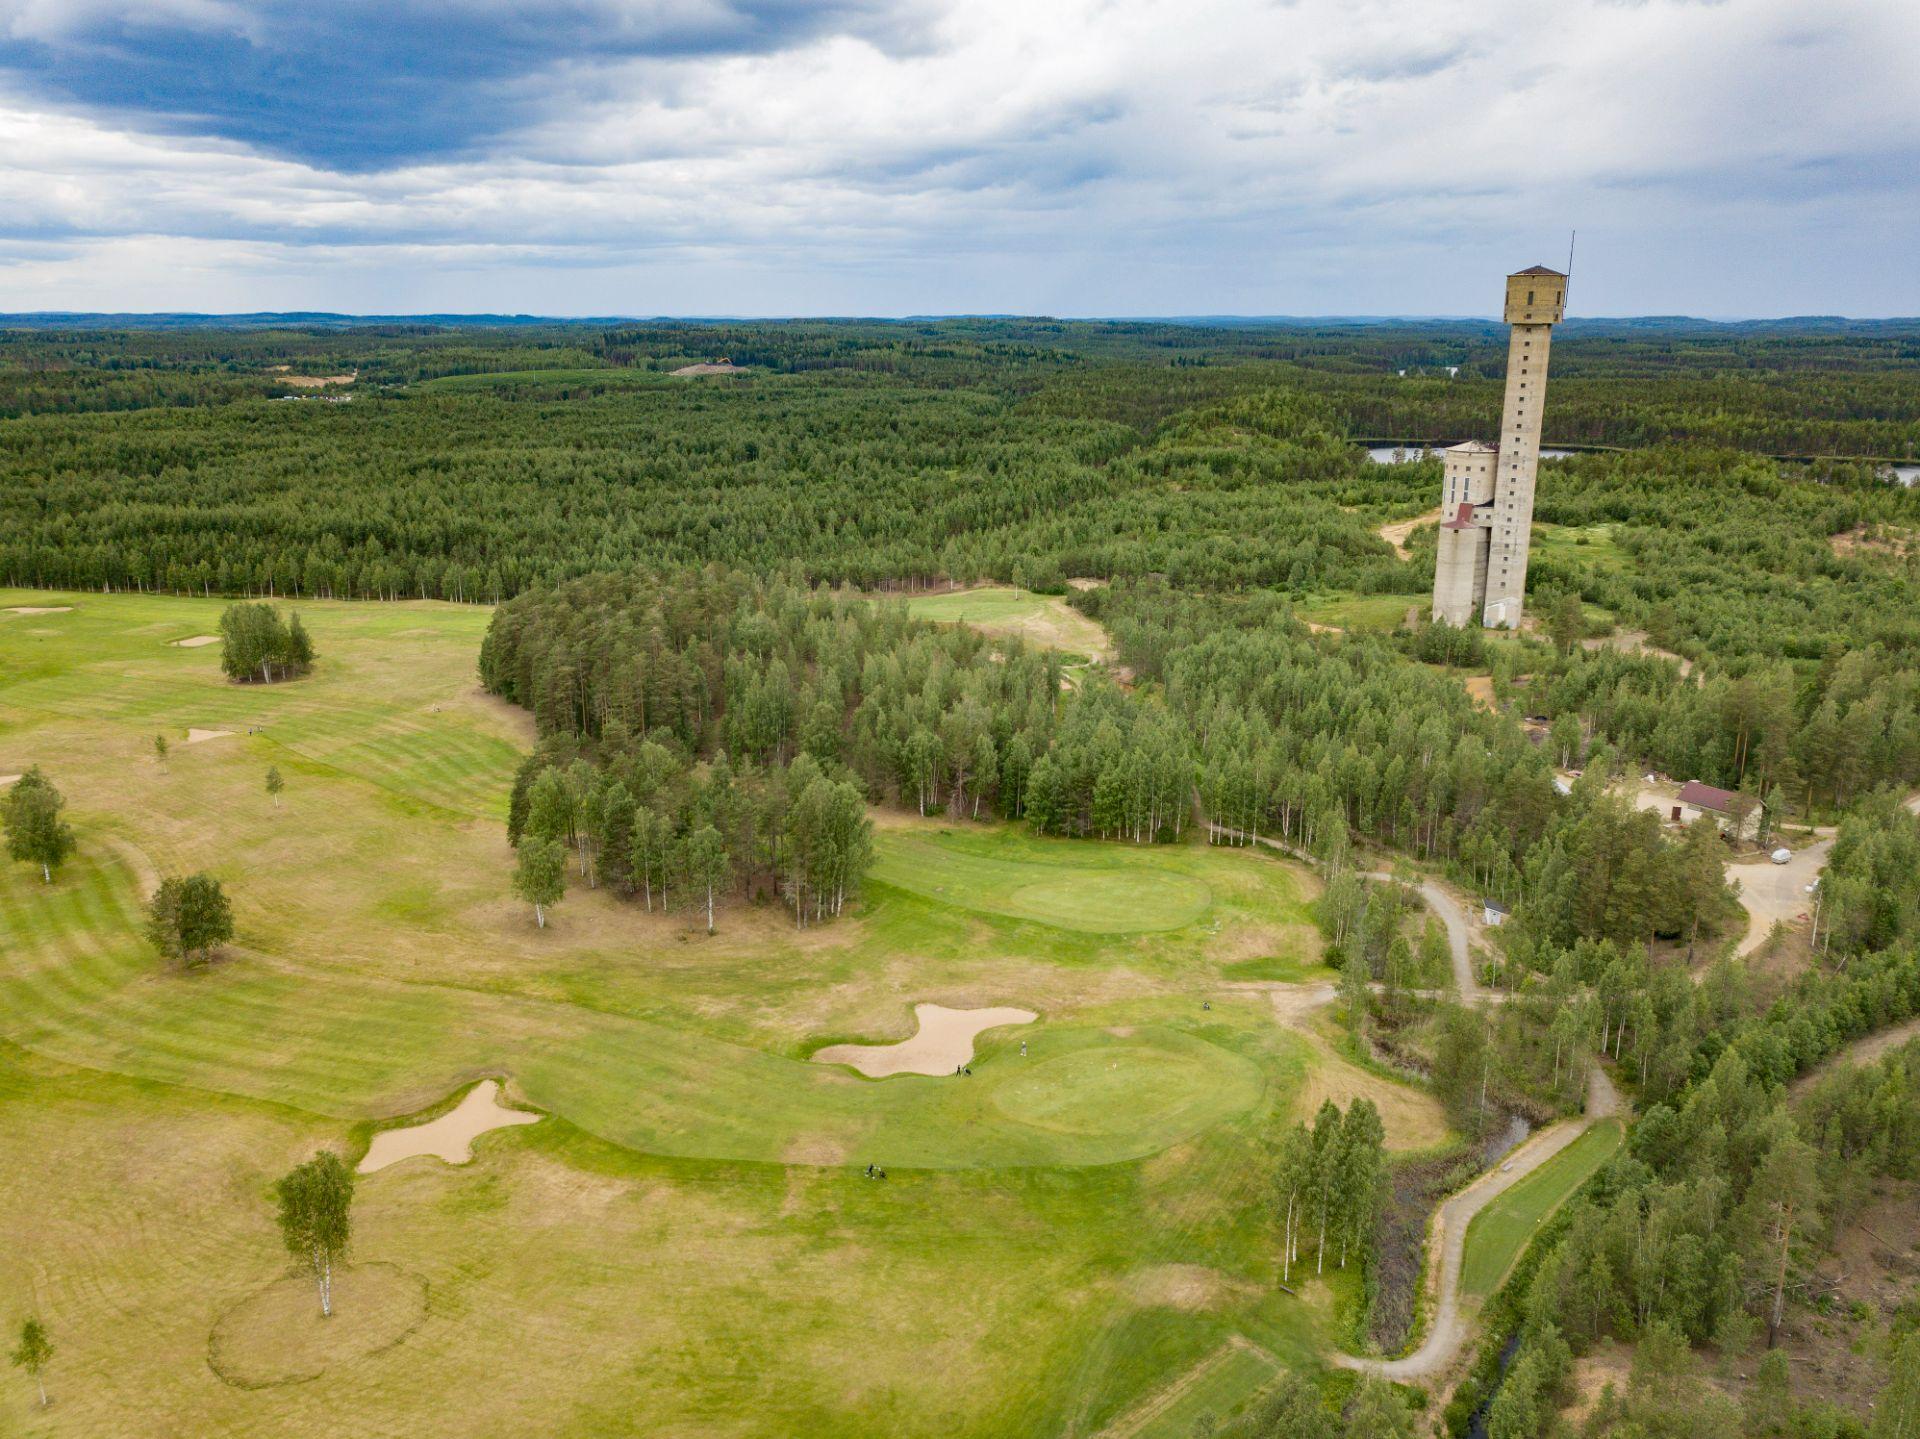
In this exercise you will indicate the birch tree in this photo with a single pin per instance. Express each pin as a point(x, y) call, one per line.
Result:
point(33, 1353)
point(316, 1217)
point(31, 816)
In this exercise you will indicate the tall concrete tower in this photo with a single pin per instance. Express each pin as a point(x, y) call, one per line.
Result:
point(1487, 490)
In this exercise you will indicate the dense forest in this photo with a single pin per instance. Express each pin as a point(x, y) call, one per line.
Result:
point(701, 583)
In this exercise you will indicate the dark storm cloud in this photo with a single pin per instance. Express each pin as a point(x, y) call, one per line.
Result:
point(358, 85)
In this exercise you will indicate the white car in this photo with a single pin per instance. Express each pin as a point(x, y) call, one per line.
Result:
point(1782, 856)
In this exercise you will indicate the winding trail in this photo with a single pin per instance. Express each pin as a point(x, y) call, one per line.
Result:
point(1447, 1238)
point(1863, 1050)
point(1450, 1327)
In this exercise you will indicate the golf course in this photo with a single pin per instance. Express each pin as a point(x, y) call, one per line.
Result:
point(686, 1235)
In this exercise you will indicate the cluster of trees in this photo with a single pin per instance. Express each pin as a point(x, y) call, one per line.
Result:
point(1330, 1180)
point(256, 644)
point(647, 821)
point(943, 719)
point(30, 814)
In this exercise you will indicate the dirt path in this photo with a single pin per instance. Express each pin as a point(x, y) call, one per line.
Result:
point(1452, 1326)
point(1395, 533)
point(1864, 1050)
point(1447, 1236)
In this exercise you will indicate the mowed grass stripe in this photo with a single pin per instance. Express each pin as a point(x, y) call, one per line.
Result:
point(1504, 1228)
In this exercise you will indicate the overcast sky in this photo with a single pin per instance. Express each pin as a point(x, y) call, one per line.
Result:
point(1074, 157)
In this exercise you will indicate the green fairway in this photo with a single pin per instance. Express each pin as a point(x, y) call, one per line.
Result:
point(697, 1183)
point(1096, 890)
point(1222, 1388)
point(1502, 1230)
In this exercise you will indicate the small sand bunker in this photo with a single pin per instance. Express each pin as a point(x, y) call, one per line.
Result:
point(196, 641)
point(8, 778)
point(201, 736)
point(451, 1136)
point(39, 609)
point(943, 1041)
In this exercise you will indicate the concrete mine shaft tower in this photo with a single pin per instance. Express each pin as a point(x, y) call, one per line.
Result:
point(1486, 497)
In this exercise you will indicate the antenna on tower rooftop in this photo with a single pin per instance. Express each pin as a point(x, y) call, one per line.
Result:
point(1572, 235)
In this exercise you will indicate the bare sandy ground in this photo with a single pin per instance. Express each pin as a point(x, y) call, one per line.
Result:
point(1773, 893)
point(201, 736)
point(39, 609)
point(314, 382)
point(1412, 1118)
point(196, 641)
point(1861, 1051)
point(1396, 532)
point(707, 370)
point(451, 1136)
point(943, 1041)
point(1480, 690)
point(8, 778)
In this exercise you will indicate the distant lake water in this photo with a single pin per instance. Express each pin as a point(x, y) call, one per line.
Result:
point(1392, 455)
point(1908, 475)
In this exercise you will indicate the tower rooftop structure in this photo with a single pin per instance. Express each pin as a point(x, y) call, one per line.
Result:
point(1481, 565)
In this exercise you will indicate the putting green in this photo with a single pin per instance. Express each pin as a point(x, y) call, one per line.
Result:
point(1164, 1083)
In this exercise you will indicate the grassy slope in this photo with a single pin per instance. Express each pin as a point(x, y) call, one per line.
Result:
point(1500, 1231)
point(688, 1240)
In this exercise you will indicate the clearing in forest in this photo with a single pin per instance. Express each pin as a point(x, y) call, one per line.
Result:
point(1396, 532)
point(1047, 621)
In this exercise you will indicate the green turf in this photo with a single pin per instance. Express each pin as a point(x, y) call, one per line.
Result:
point(1094, 889)
point(1502, 1230)
point(1225, 1387)
point(687, 1237)
point(1347, 611)
point(982, 606)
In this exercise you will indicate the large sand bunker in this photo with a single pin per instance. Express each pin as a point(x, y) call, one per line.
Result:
point(201, 736)
point(39, 609)
point(943, 1042)
point(194, 642)
point(451, 1136)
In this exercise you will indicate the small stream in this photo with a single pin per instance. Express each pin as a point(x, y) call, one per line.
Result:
point(1477, 1425)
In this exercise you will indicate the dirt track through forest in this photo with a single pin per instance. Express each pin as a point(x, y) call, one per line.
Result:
point(1450, 1327)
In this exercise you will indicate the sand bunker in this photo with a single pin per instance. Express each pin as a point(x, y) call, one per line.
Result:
point(451, 1136)
point(201, 736)
point(196, 641)
point(944, 1040)
point(39, 609)
point(8, 778)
